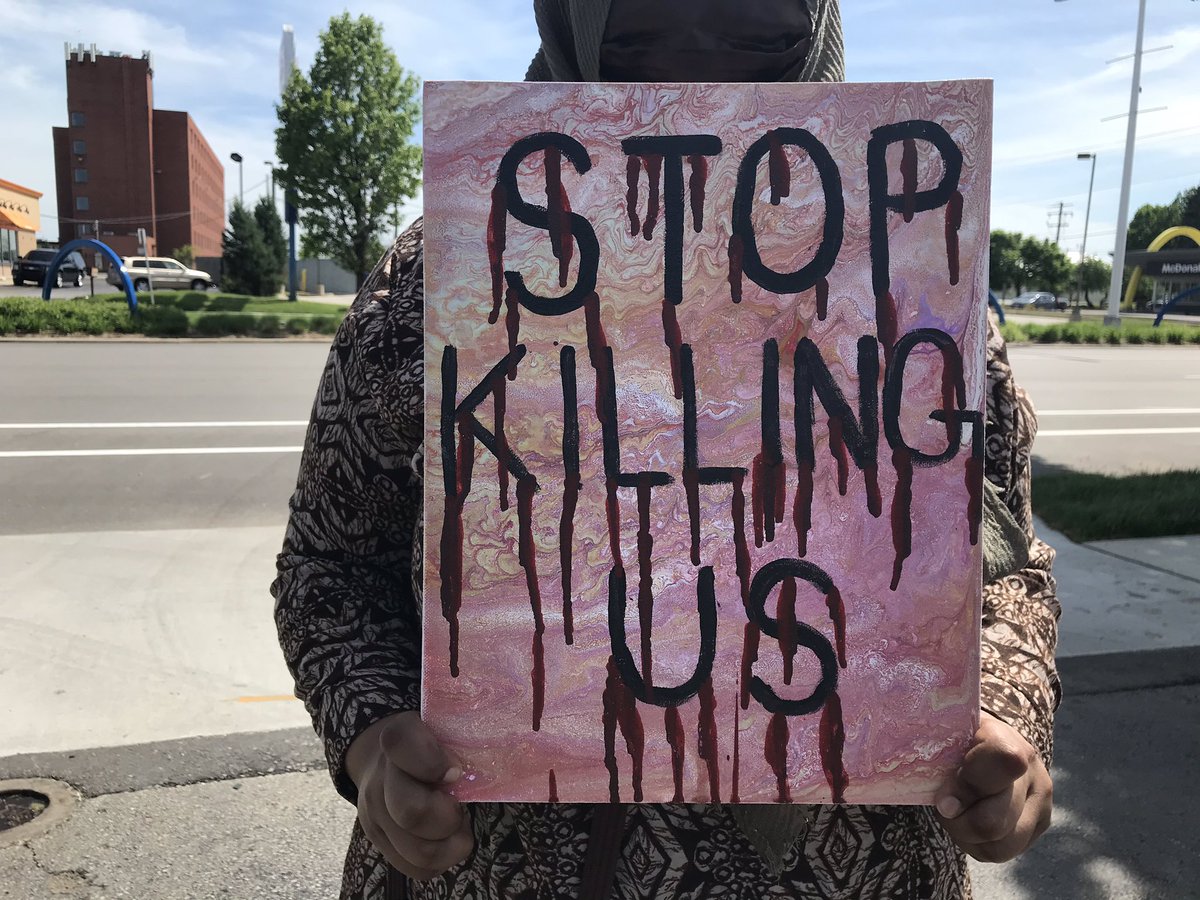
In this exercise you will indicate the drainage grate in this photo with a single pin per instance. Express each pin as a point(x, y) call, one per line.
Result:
point(20, 807)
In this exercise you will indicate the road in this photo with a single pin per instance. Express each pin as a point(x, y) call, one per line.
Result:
point(63, 293)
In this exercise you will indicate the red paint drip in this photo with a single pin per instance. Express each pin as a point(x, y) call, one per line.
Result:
point(597, 342)
point(908, 172)
point(566, 543)
point(624, 710)
point(886, 323)
point(837, 615)
point(452, 537)
point(776, 751)
point(674, 728)
point(779, 170)
point(756, 497)
point(691, 484)
point(741, 550)
point(874, 497)
point(706, 739)
point(558, 208)
point(832, 743)
point(612, 685)
point(645, 543)
point(802, 507)
point(768, 496)
point(527, 555)
point(696, 186)
point(512, 322)
point(553, 787)
point(974, 479)
point(674, 341)
point(837, 449)
point(750, 639)
point(954, 214)
point(736, 257)
point(496, 239)
point(500, 400)
point(737, 727)
point(822, 298)
point(785, 613)
point(653, 162)
point(612, 511)
point(633, 170)
point(901, 512)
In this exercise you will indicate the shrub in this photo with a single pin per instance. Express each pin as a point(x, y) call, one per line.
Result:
point(1176, 336)
point(323, 324)
point(1112, 336)
point(268, 326)
point(296, 326)
point(192, 301)
point(1134, 337)
point(222, 324)
point(1155, 336)
point(228, 303)
point(162, 321)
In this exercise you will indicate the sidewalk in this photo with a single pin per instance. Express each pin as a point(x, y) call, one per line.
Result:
point(254, 815)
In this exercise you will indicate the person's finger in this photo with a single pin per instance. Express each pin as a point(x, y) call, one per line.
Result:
point(1033, 822)
point(435, 856)
point(419, 809)
point(410, 746)
point(989, 819)
point(372, 816)
point(990, 767)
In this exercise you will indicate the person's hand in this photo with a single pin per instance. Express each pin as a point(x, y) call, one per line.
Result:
point(999, 802)
point(401, 772)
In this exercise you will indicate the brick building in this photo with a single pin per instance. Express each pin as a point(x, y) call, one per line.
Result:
point(123, 163)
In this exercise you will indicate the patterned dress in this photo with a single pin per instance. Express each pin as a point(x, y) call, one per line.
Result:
point(348, 611)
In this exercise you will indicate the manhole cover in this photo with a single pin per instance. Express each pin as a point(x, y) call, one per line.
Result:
point(32, 806)
point(19, 807)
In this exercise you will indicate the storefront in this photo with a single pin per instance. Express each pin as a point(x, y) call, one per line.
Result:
point(20, 219)
point(1172, 272)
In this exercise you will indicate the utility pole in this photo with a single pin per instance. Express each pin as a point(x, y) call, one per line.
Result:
point(1057, 218)
point(1076, 315)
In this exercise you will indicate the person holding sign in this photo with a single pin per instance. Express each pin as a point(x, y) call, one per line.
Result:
point(350, 586)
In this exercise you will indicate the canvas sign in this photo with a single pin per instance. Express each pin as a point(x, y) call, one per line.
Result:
point(704, 438)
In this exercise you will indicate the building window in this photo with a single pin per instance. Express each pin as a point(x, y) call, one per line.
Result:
point(78, 119)
point(81, 176)
point(79, 147)
point(82, 204)
point(83, 229)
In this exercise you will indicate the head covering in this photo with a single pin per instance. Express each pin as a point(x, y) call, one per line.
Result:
point(572, 32)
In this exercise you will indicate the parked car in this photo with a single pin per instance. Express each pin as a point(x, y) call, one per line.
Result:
point(1038, 300)
point(166, 273)
point(34, 264)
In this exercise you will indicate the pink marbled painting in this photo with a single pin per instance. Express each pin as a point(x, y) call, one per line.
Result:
point(704, 396)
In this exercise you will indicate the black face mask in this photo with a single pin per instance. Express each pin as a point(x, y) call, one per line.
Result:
point(706, 40)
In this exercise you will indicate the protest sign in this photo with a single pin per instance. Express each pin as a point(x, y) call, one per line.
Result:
point(704, 437)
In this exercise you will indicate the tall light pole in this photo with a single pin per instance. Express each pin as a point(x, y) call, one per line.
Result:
point(1077, 315)
point(237, 158)
point(270, 179)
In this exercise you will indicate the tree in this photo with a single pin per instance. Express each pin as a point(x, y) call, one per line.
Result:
point(266, 216)
point(1149, 222)
point(1044, 265)
point(1005, 272)
point(185, 254)
point(247, 266)
point(344, 141)
point(1093, 275)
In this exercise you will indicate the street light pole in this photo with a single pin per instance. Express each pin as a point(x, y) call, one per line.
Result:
point(237, 158)
point(270, 179)
point(1113, 317)
point(1087, 216)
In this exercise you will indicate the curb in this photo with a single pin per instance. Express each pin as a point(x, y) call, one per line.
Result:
point(1135, 670)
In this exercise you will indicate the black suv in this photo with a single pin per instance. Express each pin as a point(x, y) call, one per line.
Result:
point(33, 265)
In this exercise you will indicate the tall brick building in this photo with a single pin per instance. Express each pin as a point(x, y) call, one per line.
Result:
point(127, 165)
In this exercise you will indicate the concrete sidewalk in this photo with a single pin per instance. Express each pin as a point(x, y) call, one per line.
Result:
point(254, 815)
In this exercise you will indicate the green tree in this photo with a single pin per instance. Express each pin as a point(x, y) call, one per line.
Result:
point(266, 216)
point(344, 141)
point(1149, 222)
point(1045, 266)
point(246, 266)
point(1005, 272)
point(185, 254)
point(1093, 275)
point(1189, 208)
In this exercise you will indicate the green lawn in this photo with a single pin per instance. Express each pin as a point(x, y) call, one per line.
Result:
point(1132, 331)
point(1090, 507)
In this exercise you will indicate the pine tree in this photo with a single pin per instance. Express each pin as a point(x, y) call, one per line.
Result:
point(246, 259)
point(271, 226)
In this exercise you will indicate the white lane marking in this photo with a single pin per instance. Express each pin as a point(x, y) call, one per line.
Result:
point(153, 451)
point(1175, 411)
point(1104, 432)
point(34, 426)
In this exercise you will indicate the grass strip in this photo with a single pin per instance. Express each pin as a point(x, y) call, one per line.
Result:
point(1086, 506)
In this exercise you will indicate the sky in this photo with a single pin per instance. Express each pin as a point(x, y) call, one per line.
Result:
point(1049, 61)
